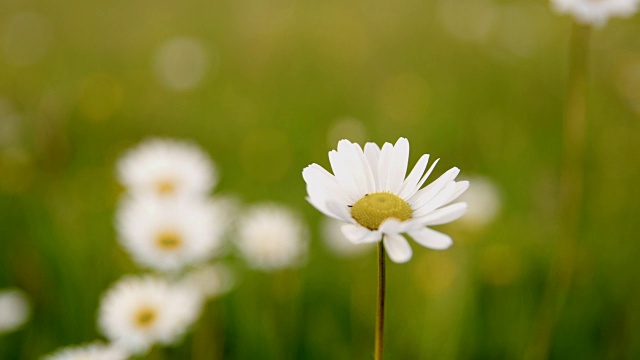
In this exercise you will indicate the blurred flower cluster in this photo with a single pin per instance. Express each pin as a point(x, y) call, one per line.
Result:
point(172, 227)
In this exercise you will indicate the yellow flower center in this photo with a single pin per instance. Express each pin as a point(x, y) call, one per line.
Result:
point(168, 240)
point(165, 187)
point(145, 317)
point(372, 209)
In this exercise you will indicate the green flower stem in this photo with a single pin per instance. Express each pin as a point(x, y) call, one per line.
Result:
point(207, 339)
point(379, 343)
point(571, 193)
point(574, 130)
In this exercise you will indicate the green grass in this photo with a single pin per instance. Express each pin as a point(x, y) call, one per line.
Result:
point(285, 72)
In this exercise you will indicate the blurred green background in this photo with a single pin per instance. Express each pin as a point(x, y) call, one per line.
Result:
point(267, 87)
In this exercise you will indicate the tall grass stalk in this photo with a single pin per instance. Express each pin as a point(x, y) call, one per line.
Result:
point(208, 341)
point(571, 194)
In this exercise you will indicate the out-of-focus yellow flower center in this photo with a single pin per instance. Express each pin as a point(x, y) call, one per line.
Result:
point(372, 209)
point(145, 317)
point(168, 240)
point(165, 187)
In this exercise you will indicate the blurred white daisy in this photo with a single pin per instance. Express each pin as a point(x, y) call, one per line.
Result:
point(338, 243)
point(14, 310)
point(595, 12)
point(94, 351)
point(210, 280)
point(138, 312)
point(271, 237)
point(369, 191)
point(167, 168)
point(484, 201)
point(169, 234)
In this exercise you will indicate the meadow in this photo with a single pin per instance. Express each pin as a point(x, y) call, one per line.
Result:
point(266, 88)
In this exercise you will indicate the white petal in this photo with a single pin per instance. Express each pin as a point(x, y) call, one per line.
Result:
point(342, 173)
point(409, 187)
point(431, 239)
point(372, 154)
point(444, 215)
point(425, 177)
point(398, 169)
point(439, 200)
point(390, 226)
point(323, 208)
point(397, 247)
point(411, 224)
point(386, 162)
point(430, 191)
point(340, 210)
point(354, 232)
point(322, 187)
point(363, 164)
point(360, 235)
point(461, 187)
point(354, 167)
point(372, 236)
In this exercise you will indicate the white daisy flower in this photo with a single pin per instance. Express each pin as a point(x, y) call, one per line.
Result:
point(338, 243)
point(595, 12)
point(168, 234)
point(271, 237)
point(14, 310)
point(369, 191)
point(210, 280)
point(167, 168)
point(138, 312)
point(94, 351)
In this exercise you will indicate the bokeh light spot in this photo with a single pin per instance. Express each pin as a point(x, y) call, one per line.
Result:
point(346, 128)
point(484, 201)
point(10, 124)
point(469, 20)
point(181, 63)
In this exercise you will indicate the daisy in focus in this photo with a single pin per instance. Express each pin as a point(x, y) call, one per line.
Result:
point(369, 192)
point(271, 237)
point(167, 168)
point(138, 312)
point(95, 351)
point(14, 310)
point(596, 12)
point(169, 234)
